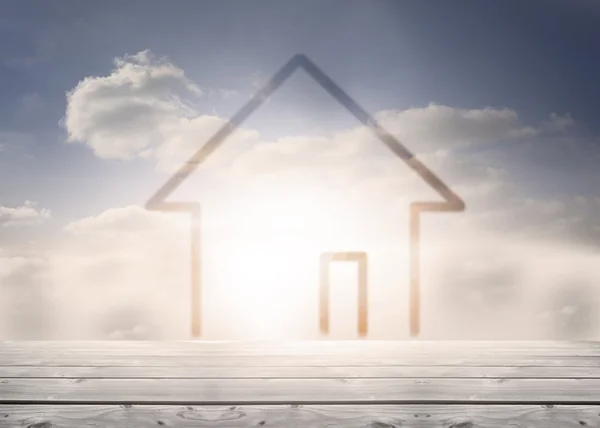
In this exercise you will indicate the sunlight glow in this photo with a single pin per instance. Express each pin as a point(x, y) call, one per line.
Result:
point(270, 258)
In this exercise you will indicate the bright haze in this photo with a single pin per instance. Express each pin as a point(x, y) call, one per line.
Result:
point(102, 101)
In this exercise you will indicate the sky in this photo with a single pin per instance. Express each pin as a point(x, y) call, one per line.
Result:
point(101, 102)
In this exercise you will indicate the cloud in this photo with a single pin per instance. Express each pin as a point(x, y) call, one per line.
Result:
point(143, 108)
point(442, 127)
point(26, 304)
point(120, 274)
point(26, 214)
point(516, 288)
point(123, 274)
point(132, 109)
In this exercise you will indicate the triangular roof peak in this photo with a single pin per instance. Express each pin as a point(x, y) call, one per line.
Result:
point(302, 61)
point(452, 202)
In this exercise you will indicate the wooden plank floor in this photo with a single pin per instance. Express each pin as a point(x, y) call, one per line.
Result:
point(300, 384)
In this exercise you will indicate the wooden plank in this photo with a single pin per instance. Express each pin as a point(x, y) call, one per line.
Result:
point(406, 355)
point(40, 359)
point(300, 391)
point(298, 346)
point(193, 354)
point(300, 372)
point(366, 416)
point(390, 348)
point(12, 359)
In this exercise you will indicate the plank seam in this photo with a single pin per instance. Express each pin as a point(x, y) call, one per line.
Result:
point(304, 402)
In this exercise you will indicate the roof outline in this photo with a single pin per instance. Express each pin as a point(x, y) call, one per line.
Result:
point(451, 201)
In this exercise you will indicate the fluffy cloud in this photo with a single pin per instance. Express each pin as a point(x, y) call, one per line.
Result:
point(143, 108)
point(26, 214)
point(25, 301)
point(135, 107)
point(123, 274)
point(516, 288)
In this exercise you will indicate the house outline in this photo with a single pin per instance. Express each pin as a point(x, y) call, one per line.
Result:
point(451, 201)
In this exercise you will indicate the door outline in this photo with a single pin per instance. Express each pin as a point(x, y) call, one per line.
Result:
point(360, 258)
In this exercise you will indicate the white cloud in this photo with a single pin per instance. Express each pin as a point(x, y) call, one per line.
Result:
point(13, 264)
point(515, 289)
point(25, 301)
point(443, 127)
point(134, 108)
point(26, 214)
point(187, 136)
point(123, 274)
point(144, 108)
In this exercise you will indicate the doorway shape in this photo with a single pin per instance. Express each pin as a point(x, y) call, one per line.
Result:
point(360, 258)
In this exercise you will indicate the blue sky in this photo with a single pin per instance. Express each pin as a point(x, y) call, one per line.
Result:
point(533, 57)
point(509, 89)
point(536, 56)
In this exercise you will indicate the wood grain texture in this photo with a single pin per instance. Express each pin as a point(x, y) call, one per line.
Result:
point(236, 355)
point(366, 416)
point(299, 372)
point(43, 359)
point(300, 391)
point(314, 348)
point(297, 354)
point(364, 384)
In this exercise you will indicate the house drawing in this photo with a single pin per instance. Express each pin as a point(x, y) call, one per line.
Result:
point(451, 201)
